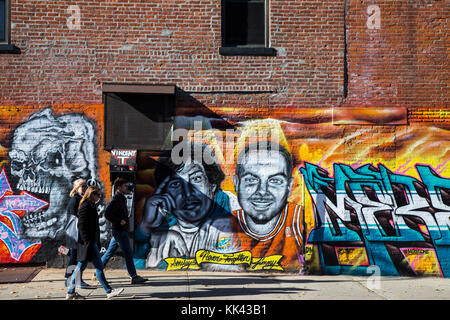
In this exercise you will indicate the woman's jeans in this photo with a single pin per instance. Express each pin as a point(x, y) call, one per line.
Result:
point(120, 238)
point(97, 262)
point(72, 263)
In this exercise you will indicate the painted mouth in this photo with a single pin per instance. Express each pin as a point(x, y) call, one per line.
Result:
point(34, 188)
point(261, 204)
point(41, 223)
point(38, 220)
point(192, 205)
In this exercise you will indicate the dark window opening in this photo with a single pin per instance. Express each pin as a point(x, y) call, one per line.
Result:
point(138, 120)
point(244, 23)
point(5, 29)
point(3, 22)
point(245, 28)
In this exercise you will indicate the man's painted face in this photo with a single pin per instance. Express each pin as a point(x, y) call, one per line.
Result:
point(263, 185)
point(192, 192)
point(123, 188)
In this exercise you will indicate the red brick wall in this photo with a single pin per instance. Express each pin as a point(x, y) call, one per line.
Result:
point(402, 64)
point(405, 62)
point(173, 42)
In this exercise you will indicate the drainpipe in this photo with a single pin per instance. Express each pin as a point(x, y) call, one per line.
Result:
point(345, 91)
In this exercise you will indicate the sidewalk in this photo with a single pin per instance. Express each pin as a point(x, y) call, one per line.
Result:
point(181, 285)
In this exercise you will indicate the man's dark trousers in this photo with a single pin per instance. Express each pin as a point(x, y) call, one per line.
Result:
point(120, 238)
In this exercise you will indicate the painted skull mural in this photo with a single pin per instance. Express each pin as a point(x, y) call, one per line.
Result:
point(47, 153)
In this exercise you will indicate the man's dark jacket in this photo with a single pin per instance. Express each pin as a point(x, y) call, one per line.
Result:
point(88, 231)
point(117, 211)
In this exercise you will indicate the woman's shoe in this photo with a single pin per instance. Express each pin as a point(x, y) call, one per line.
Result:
point(84, 285)
point(114, 292)
point(73, 296)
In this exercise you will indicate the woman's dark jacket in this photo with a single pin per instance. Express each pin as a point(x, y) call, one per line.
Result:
point(72, 206)
point(88, 231)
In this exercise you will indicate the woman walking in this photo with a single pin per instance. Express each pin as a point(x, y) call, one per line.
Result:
point(79, 187)
point(89, 243)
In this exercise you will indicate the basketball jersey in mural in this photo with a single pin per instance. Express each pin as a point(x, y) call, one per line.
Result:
point(285, 239)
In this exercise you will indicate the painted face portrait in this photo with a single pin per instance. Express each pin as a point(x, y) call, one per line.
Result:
point(191, 191)
point(263, 184)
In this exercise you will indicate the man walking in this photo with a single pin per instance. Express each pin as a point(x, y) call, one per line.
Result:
point(117, 213)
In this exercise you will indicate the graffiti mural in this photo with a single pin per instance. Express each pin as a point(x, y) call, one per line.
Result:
point(191, 222)
point(399, 223)
point(47, 153)
point(280, 209)
point(267, 224)
point(14, 249)
point(188, 209)
point(304, 193)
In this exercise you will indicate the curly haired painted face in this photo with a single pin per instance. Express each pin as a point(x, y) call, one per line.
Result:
point(192, 192)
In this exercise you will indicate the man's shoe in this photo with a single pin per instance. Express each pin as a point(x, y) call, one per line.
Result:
point(84, 285)
point(138, 279)
point(114, 292)
point(73, 296)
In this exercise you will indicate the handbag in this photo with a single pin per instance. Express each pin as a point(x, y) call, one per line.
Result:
point(72, 232)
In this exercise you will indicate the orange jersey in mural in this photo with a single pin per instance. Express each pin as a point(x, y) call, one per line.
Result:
point(285, 239)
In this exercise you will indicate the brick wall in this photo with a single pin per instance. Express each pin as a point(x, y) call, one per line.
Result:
point(173, 42)
point(403, 62)
point(176, 42)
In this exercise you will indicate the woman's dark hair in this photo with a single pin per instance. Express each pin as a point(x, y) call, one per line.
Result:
point(166, 166)
point(88, 194)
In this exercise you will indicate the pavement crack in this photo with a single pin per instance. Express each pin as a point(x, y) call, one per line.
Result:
point(371, 290)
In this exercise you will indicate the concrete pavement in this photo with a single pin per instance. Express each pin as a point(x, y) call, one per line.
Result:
point(194, 285)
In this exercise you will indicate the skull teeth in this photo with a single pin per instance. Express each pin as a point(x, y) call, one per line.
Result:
point(30, 187)
point(34, 218)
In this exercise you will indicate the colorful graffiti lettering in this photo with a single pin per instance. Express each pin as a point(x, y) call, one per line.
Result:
point(12, 208)
point(382, 213)
point(243, 258)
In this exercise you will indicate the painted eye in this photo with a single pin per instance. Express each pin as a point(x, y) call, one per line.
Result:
point(53, 160)
point(197, 179)
point(174, 184)
point(16, 165)
point(276, 181)
point(251, 180)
